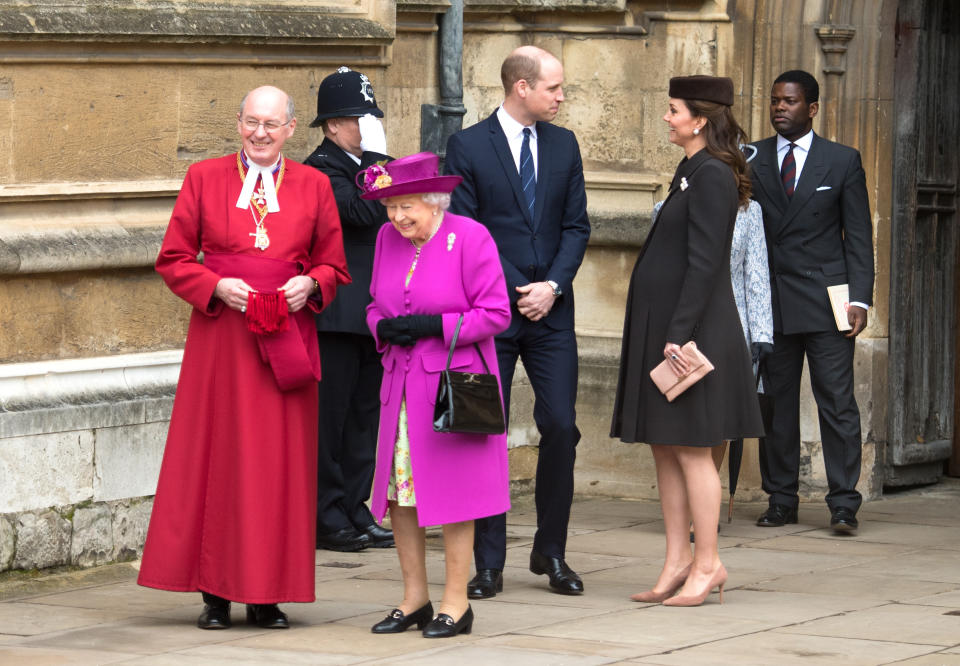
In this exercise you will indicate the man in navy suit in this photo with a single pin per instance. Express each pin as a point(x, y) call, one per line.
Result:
point(523, 179)
point(353, 139)
point(817, 221)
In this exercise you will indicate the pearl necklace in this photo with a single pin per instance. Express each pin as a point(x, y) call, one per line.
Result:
point(416, 256)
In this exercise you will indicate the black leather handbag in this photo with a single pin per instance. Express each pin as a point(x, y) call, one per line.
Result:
point(468, 402)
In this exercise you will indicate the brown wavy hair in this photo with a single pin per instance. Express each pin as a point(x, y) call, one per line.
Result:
point(724, 137)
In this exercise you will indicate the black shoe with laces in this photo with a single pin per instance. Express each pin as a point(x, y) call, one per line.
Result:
point(777, 515)
point(844, 520)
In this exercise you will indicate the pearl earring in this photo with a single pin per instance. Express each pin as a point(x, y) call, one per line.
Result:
point(696, 131)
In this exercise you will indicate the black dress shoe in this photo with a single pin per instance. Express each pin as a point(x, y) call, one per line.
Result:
point(485, 584)
point(396, 622)
point(215, 617)
point(379, 537)
point(844, 520)
point(347, 540)
point(267, 616)
point(777, 515)
point(563, 579)
point(443, 626)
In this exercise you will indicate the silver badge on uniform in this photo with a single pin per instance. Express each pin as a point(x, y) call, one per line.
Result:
point(366, 89)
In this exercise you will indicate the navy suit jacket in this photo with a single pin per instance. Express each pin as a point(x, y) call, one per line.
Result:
point(551, 245)
point(819, 237)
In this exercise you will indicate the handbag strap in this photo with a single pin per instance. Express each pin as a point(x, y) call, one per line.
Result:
point(453, 344)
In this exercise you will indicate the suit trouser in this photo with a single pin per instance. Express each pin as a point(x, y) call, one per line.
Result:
point(830, 360)
point(550, 360)
point(347, 436)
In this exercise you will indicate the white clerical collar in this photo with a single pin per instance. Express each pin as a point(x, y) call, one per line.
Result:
point(254, 173)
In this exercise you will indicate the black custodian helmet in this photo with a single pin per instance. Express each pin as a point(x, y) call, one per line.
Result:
point(345, 93)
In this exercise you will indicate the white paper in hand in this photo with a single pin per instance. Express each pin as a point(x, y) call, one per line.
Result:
point(372, 136)
point(840, 302)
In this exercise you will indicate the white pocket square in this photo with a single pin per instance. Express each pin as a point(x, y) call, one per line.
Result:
point(824, 187)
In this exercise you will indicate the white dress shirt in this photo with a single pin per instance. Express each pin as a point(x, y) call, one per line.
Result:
point(514, 132)
point(800, 149)
point(351, 156)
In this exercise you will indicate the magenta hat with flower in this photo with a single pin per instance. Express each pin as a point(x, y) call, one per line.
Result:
point(413, 174)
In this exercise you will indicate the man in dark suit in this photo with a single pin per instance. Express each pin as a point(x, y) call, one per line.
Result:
point(523, 179)
point(350, 388)
point(817, 222)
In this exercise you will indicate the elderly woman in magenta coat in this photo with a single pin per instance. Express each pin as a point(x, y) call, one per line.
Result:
point(430, 268)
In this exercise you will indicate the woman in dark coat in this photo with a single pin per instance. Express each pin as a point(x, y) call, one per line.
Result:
point(680, 291)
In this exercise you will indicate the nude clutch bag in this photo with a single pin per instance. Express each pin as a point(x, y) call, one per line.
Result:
point(666, 379)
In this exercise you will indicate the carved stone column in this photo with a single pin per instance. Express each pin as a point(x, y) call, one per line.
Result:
point(833, 43)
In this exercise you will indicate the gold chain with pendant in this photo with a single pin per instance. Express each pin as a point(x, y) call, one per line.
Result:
point(258, 202)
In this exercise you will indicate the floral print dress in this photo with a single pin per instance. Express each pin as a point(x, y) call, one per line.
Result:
point(400, 488)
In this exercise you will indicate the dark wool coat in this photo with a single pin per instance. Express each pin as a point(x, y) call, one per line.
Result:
point(361, 221)
point(680, 290)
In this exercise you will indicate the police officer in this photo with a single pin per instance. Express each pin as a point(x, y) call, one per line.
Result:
point(350, 388)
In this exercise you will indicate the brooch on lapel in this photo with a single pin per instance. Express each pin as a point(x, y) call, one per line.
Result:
point(450, 238)
point(683, 183)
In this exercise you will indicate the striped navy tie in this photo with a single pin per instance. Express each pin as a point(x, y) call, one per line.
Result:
point(788, 172)
point(528, 177)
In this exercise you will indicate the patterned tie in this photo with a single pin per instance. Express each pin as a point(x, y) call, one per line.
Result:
point(528, 177)
point(788, 172)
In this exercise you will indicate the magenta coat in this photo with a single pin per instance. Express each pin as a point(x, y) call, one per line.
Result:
point(456, 477)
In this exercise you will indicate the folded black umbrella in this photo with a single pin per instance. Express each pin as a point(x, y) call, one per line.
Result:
point(736, 445)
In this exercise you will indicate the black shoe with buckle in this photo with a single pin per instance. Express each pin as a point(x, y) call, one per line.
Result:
point(563, 579)
point(844, 520)
point(777, 515)
point(267, 616)
point(396, 622)
point(485, 584)
point(443, 626)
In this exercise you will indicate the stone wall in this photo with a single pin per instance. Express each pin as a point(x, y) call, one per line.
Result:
point(110, 102)
point(80, 448)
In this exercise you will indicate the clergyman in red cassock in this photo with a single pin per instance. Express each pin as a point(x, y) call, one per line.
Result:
point(234, 514)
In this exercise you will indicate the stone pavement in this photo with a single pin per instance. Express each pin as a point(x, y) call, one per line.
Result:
point(798, 594)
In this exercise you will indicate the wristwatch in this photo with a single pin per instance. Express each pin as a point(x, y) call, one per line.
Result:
point(557, 291)
point(316, 285)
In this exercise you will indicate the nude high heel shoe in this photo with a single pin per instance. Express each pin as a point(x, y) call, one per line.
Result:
point(651, 597)
point(718, 579)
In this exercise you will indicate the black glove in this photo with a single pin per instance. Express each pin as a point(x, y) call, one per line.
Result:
point(407, 329)
point(760, 351)
point(423, 326)
point(393, 331)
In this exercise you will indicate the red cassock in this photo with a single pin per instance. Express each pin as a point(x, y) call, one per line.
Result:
point(235, 509)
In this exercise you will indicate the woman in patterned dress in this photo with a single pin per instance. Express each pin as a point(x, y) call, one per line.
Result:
point(430, 268)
